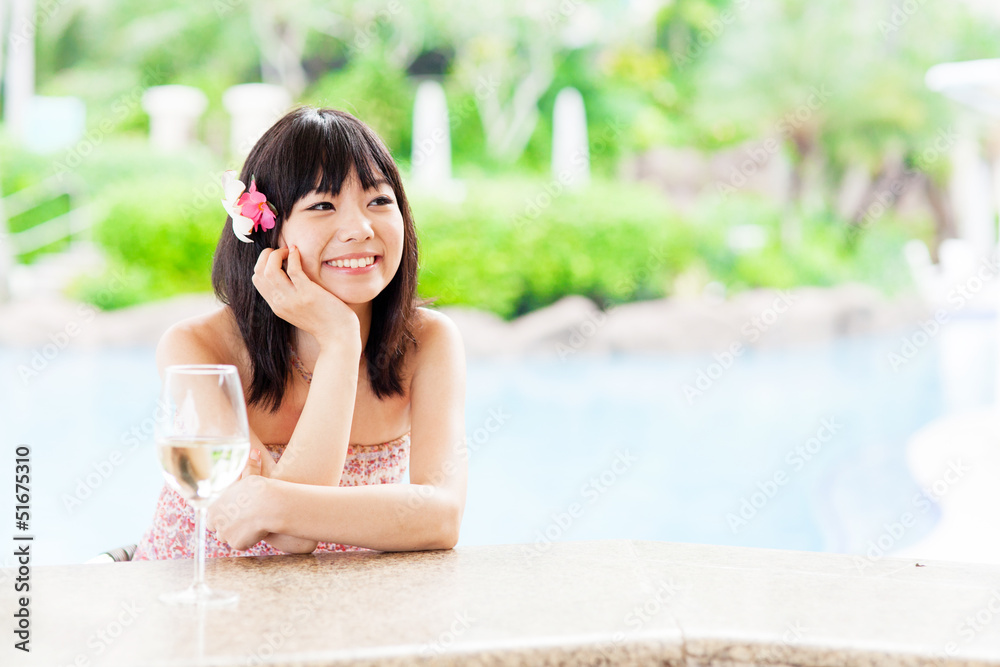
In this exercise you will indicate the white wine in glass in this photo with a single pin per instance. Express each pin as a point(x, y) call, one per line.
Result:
point(201, 469)
point(202, 446)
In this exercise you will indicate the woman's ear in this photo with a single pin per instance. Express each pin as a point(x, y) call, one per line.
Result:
point(281, 240)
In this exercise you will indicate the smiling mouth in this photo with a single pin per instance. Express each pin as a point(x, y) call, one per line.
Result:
point(353, 263)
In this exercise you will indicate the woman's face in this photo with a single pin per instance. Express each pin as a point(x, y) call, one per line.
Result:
point(351, 244)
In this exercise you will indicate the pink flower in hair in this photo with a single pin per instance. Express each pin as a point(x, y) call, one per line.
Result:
point(249, 210)
point(254, 205)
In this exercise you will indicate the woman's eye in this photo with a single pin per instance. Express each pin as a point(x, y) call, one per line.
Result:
point(322, 206)
point(382, 201)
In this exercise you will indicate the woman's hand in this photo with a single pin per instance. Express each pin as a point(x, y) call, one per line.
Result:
point(235, 515)
point(265, 467)
point(299, 301)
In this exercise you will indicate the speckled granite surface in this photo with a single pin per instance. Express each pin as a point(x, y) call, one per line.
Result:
point(574, 603)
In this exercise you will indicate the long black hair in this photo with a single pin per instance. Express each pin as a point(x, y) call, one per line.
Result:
point(315, 149)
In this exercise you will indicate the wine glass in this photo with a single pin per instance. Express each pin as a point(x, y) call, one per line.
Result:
point(202, 443)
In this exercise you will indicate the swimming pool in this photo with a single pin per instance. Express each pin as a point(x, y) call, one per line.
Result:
point(794, 448)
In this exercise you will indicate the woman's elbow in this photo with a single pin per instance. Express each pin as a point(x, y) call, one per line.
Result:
point(306, 548)
point(448, 530)
point(447, 540)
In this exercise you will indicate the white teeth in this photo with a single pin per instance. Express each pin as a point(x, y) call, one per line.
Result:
point(352, 263)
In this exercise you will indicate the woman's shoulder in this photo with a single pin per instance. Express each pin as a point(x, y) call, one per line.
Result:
point(212, 338)
point(436, 334)
point(432, 323)
point(439, 358)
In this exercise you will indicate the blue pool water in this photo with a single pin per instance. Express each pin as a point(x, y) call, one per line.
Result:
point(587, 448)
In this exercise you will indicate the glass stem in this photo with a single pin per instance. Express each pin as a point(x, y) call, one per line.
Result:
point(200, 530)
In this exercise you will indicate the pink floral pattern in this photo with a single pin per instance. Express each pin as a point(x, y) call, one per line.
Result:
point(172, 534)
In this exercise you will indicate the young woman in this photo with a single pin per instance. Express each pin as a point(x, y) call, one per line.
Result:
point(348, 380)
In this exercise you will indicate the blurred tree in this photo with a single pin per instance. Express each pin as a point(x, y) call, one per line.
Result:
point(708, 73)
point(281, 35)
point(108, 51)
point(509, 55)
point(805, 75)
point(838, 87)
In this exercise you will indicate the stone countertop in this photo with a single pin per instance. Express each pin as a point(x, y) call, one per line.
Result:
point(571, 603)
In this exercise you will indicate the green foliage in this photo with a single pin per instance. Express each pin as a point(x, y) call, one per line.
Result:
point(512, 254)
point(468, 142)
point(159, 240)
point(803, 73)
point(119, 286)
point(708, 74)
point(827, 253)
point(609, 103)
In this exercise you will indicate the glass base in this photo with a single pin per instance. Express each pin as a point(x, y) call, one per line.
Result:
point(200, 594)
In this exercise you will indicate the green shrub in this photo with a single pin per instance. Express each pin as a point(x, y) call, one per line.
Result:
point(120, 286)
point(159, 237)
point(511, 247)
point(515, 244)
point(824, 254)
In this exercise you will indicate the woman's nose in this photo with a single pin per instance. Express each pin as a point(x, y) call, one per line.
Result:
point(354, 226)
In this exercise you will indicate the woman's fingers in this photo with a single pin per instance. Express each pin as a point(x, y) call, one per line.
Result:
point(262, 259)
point(269, 262)
point(269, 278)
point(292, 294)
point(267, 464)
point(295, 272)
point(272, 267)
point(253, 466)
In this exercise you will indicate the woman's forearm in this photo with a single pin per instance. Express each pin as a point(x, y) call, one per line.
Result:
point(384, 517)
point(317, 450)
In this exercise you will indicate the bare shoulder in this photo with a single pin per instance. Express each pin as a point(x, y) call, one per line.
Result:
point(435, 328)
point(438, 338)
point(212, 338)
